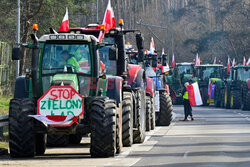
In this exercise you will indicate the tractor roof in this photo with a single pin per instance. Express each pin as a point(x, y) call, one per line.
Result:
point(184, 64)
point(67, 37)
point(209, 65)
point(241, 66)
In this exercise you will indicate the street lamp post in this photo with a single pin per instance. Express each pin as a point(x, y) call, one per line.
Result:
point(18, 35)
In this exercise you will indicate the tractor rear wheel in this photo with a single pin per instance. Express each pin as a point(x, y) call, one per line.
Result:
point(217, 94)
point(227, 98)
point(139, 133)
point(103, 127)
point(204, 91)
point(235, 102)
point(152, 113)
point(127, 119)
point(164, 118)
point(245, 105)
point(21, 137)
point(54, 140)
point(148, 113)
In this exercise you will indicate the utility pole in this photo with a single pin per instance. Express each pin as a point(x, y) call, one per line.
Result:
point(97, 6)
point(18, 36)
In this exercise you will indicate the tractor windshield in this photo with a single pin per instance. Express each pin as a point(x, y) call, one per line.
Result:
point(243, 74)
point(211, 72)
point(59, 58)
point(110, 65)
point(185, 69)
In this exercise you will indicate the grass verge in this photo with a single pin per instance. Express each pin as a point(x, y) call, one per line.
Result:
point(4, 104)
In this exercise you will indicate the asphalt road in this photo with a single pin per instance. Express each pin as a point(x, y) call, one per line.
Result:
point(217, 137)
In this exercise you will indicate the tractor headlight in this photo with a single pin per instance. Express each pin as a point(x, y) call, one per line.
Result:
point(61, 37)
point(53, 37)
point(80, 37)
point(71, 37)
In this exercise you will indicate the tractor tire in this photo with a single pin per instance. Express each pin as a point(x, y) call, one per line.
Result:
point(21, 137)
point(139, 134)
point(227, 98)
point(54, 140)
point(152, 113)
point(164, 117)
point(41, 141)
point(127, 119)
point(235, 102)
point(204, 96)
point(75, 138)
point(245, 105)
point(118, 133)
point(103, 127)
point(222, 103)
point(217, 94)
point(148, 113)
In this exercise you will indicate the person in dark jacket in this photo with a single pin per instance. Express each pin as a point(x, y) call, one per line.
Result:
point(187, 106)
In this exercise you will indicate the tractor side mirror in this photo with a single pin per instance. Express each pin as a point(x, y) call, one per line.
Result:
point(113, 53)
point(164, 60)
point(16, 54)
point(139, 41)
point(154, 61)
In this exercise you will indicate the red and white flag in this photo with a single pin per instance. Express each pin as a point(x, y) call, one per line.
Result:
point(197, 59)
point(209, 88)
point(163, 52)
point(244, 62)
point(194, 95)
point(228, 66)
point(108, 20)
point(173, 61)
point(65, 23)
point(152, 46)
point(54, 120)
point(233, 64)
point(248, 62)
point(199, 62)
point(214, 60)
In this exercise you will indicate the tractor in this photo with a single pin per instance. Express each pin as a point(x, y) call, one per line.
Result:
point(157, 68)
point(236, 92)
point(66, 93)
point(133, 85)
point(182, 73)
point(207, 75)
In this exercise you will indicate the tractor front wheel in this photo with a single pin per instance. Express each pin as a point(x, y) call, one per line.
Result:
point(103, 127)
point(21, 137)
point(164, 118)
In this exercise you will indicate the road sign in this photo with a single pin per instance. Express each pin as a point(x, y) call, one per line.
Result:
point(61, 101)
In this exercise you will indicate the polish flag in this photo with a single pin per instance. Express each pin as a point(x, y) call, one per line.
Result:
point(248, 62)
point(163, 52)
point(54, 119)
point(65, 23)
point(199, 62)
point(214, 60)
point(244, 61)
point(152, 46)
point(197, 59)
point(108, 20)
point(228, 66)
point(194, 95)
point(173, 61)
point(233, 64)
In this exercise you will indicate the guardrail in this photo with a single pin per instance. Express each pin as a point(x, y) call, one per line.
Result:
point(4, 121)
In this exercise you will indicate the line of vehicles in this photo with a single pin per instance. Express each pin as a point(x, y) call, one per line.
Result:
point(119, 98)
point(230, 90)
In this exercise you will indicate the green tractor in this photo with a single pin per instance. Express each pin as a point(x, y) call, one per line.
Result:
point(236, 92)
point(66, 94)
point(182, 73)
point(207, 75)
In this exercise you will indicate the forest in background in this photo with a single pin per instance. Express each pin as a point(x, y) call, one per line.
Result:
point(212, 28)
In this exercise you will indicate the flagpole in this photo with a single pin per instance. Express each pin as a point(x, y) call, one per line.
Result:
point(97, 6)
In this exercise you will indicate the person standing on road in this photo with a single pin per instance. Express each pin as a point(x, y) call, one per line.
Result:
point(187, 106)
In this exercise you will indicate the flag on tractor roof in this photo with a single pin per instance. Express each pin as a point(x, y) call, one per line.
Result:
point(65, 23)
point(108, 20)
